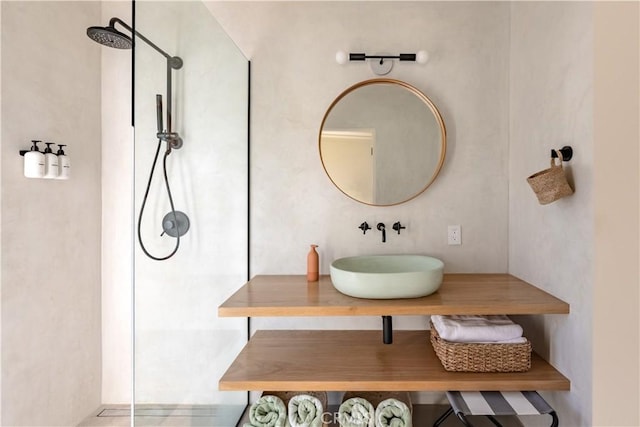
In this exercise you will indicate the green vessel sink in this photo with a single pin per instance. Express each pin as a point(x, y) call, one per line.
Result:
point(387, 276)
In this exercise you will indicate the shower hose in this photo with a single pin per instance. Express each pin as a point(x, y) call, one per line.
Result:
point(144, 202)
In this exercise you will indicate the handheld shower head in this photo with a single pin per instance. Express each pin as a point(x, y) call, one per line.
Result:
point(110, 37)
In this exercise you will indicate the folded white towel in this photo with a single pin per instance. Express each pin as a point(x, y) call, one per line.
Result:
point(474, 329)
point(520, 340)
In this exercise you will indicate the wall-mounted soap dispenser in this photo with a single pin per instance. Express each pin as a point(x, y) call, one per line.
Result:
point(64, 166)
point(50, 162)
point(34, 161)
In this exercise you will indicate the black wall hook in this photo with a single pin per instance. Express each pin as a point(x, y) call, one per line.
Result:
point(567, 153)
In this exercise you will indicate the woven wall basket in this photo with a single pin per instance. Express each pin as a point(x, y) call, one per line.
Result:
point(550, 184)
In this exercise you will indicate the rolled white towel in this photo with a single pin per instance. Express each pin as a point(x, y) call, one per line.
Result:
point(267, 411)
point(356, 412)
point(393, 413)
point(475, 329)
point(305, 411)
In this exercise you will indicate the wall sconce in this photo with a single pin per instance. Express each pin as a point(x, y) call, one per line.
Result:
point(382, 64)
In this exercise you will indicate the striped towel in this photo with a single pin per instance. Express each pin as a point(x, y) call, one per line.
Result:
point(498, 403)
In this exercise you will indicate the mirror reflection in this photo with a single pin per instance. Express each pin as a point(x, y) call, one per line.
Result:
point(382, 142)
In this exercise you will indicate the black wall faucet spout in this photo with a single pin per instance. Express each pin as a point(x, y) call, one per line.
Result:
point(380, 227)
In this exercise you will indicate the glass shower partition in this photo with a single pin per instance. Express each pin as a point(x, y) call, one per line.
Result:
point(182, 347)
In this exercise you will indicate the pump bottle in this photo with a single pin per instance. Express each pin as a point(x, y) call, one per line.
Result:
point(34, 162)
point(64, 166)
point(50, 162)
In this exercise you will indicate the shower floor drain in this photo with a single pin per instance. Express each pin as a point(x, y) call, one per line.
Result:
point(166, 416)
point(161, 411)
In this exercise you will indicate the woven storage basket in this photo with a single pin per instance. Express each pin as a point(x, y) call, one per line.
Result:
point(550, 184)
point(472, 357)
point(375, 397)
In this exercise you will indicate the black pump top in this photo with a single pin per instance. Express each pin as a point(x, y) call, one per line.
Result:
point(34, 147)
point(48, 149)
point(60, 151)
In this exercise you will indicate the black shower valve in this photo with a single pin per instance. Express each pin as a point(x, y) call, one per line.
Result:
point(364, 227)
point(397, 227)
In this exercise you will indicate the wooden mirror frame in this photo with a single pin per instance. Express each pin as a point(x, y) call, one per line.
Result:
point(419, 95)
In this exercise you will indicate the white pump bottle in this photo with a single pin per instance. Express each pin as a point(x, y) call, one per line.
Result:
point(34, 162)
point(64, 166)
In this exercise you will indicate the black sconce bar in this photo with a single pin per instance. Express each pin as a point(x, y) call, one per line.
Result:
point(382, 64)
point(363, 56)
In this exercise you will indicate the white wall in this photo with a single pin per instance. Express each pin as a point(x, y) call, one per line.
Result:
point(551, 105)
point(50, 229)
point(292, 47)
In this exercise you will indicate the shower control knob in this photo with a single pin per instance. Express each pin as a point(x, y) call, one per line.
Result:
point(397, 227)
point(177, 225)
point(364, 227)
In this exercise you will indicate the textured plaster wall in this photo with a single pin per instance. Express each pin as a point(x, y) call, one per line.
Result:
point(551, 105)
point(50, 229)
point(292, 46)
point(295, 78)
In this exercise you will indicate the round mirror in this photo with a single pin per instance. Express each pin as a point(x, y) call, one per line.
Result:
point(382, 142)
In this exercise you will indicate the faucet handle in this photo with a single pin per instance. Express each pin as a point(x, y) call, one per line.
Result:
point(381, 227)
point(397, 227)
point(364, 227)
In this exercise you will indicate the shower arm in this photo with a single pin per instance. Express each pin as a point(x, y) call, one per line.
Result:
point(112, 23)
point(173, 62)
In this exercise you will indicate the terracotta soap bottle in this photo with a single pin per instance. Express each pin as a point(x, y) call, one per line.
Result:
point(312, 264)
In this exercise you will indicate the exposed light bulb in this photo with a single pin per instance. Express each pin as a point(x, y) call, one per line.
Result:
point(342, 57)
point(422, 57)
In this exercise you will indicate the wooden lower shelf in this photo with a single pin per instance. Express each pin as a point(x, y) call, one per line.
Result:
point(358, 360)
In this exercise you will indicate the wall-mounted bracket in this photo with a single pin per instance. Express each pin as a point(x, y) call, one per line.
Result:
point(567, 153)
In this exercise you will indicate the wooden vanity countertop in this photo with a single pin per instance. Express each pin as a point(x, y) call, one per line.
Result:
point(292, 295)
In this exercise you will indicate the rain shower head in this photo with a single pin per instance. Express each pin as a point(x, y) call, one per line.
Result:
point(110, 37)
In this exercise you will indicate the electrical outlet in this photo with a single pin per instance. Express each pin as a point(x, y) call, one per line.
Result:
point(454, 235)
